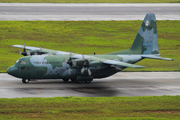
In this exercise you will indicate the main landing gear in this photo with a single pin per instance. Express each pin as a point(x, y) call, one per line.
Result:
point(83, 81)
point(79, 80)
point(66, 80)
point(25, 80)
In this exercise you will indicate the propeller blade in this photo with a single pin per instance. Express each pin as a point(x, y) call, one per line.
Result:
point(90, 59)
point(65, 60)
point(24, 47)
point(70, 54)
point(74, 63)
point(35, 53)
point(83, 56)
point(82, 70)
point(89, 72)
point(40, 49)
point(69, 61)
point(69, 71)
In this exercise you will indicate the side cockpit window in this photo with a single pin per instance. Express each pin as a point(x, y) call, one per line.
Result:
point(22, 61)
point(17, 61)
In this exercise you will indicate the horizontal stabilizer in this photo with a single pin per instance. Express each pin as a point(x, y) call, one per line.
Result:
point(155, 57)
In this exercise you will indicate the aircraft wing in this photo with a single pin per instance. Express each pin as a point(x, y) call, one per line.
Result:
point(107, 61)
point(27, 47)
point(55, 52)
point(113, 62)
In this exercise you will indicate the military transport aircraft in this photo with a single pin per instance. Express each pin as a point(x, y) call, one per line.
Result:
point(40, 63)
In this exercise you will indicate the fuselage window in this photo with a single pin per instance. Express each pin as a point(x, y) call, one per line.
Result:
point(23, 62)
point(23, 68)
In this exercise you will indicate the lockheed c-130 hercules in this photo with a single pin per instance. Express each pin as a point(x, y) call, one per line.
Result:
point(40, 63)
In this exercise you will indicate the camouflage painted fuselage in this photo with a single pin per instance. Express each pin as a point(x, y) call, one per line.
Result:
point(52, 64)
point(55, 67)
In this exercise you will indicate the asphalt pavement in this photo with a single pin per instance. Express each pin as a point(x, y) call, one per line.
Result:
point(87, 11)
point(120, 84)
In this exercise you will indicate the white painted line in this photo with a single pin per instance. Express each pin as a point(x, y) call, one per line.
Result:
point(95, 4)
point(84, 17)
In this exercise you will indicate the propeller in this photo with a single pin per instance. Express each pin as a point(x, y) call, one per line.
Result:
point(70, 59)
point(70, 62)
point(28, 53)
point(40, 51)
point(24, 53)
point(86, 65)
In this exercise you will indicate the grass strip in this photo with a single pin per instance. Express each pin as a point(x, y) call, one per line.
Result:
point(88, 108)
point(87, 37)
point(90, 1)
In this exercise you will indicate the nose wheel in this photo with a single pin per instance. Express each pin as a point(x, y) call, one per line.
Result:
point(25, 81)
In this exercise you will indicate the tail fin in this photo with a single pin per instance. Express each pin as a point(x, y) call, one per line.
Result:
point(147, 35)
point(146, 41)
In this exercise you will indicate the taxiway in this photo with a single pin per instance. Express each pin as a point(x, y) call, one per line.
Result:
point(121, 84)
point(87, 11)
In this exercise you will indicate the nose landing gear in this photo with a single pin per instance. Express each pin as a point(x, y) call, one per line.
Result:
point(25, 80)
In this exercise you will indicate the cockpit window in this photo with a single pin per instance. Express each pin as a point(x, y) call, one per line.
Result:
point(23, 61)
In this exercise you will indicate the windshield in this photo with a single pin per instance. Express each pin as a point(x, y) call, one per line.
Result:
point(22, 61)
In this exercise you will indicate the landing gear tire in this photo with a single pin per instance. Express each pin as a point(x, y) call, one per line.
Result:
point(25, 80)
point(87, 81)
point(79, 81)
point(65, 80)
point(73, 80)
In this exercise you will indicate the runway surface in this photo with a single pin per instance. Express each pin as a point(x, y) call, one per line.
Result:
point(91, 11)
point(121, 84)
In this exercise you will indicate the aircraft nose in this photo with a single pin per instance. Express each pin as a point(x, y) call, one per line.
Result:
point(12, 71)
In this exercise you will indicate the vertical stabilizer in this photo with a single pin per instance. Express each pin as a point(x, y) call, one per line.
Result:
point(146, 41)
